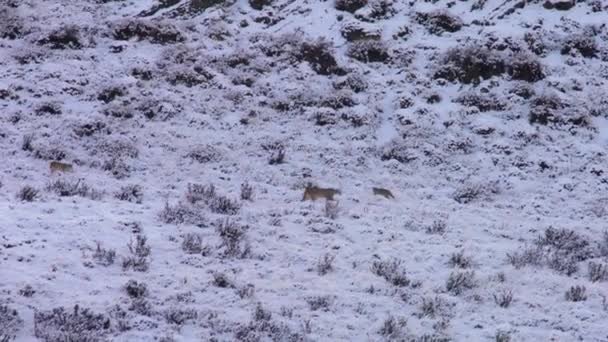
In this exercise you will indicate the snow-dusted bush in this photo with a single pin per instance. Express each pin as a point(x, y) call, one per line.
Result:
point(545, 109)
point(109, 94)
point(470, 64)
point(247, 192)
point(91, 128)
point(319, 302)
point(576, 293)
point(354, 82)
point(117, 167)
point(139, 252)
point(349, 5)
point(393, 328)
point(10, 323)
point(338, 99)
point(205, 154)
point(154, 32)
point(11, 25)
point(392, 271)
point(66, 37)
point(325, 264)
point(581, 43)
point(597, 271)
point(438, 22)
point(368, 51)
point(525, 67)
point(66, 188)
point(460, 260)
point(130, 193)
point(259, 4)
point(28, 193)
point(320, 56)
point(503, 298)
point(180, 316)
point(473, 191)
point(136, 289)
point(221, 280)
point(431, 306)
point(27, 142)
point(192, 243)
point(200, 193)
point(353, 31)
point(79, 324)
point(104, 257)
point(484, 102)
point(529, 256)
point(459, 281)
point(224, 205)
point(233, 238)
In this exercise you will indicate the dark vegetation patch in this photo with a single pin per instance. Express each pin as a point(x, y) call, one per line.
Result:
point(353, 32)
point(259, 4)
point(320, 56)
point(483, 101)
point(350, 5)
point(581, 43)
point(67, 37)
point(471, 64)
point(368, 51)
point(438, 22)
point(78, 324)
point(10, 323)
point(154, 32)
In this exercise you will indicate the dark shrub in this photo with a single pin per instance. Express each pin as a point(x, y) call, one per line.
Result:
point(104, 257)
point(140, 250)
point(224, 205)
point(109, 94)
point(67, 37)
point(205, 154)
point(88, 129)
point(353, 32)
point(28, 193)
point(470, 65)
point(525, 68)
point(180, 316)
point(192, 244)
point(135, 289)
point(259, 4)
point(350, 5)
point(438, 22)
point(67, 188)
point(78, 325)
point(545, 109)
point(234, 239)
point(560, 5)
point(155, 32)
point(584, 44)
point(10, 323)
point(11, 27)
point(368, 51)
point(460, 281)
point(392, 271)
point(354, 82)
point(130, 193)
point(320, 56)
point(483, 102)
point(183, 214)
point(48, 108)
point(576, 294)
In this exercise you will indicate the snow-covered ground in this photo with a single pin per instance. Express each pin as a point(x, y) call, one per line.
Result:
point(487, 120)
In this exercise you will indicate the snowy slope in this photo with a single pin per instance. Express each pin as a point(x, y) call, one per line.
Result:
point(487, 119)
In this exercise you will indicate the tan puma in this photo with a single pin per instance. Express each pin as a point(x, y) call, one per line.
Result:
point(62, 167)
point(314, 192)
point(383, 192)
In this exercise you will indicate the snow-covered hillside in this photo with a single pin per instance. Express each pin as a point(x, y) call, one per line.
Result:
point(192, 128)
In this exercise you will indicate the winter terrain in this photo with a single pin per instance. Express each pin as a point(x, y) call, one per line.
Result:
point(193, 127)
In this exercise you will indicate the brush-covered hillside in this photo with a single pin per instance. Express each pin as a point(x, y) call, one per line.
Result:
point(155, 154)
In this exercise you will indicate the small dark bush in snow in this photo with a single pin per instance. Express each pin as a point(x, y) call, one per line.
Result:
point(576, 294)
point(65, 188)
point(368, 51)
point(140, 250)
point(155, 32)
point(27, 193)
point(60, 324)
point(583, 44)
point(319, 302)
point(503, 298)
point(180, 316)
point(259, 4)
point(460, 281)
point(320, 57)
point(261, 314)
point(431, 307)
point(136, 289)
point(545, 109)
point(437, 227)
point(205, 154)
point(603, 244)
point(483, 102)
point(192, 244)
point(350, 5)
point(529, 256)
point(597, 271)
point(200, 193)
point(26, 142)
point(439, 22)
point(502, 336)
point(109, 94)
point(67, 37)
point(130, 193)
point(104, 257)
point(221, 280)
point(459, 259)
point(50, 108)
point(234, 238)
point(183, 214)
point(224, 205)
point(89, 129)
point(10, 323)
point(354, 82)
point(27, 291)
point(392, 271)
point(524, 67)
point(393, 328)
point(325, 264)
point(246, 192)
point(470, 64)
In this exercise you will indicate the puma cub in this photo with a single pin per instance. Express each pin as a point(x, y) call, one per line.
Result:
point(383, 192)
point(61, 167)
point(314, 192)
